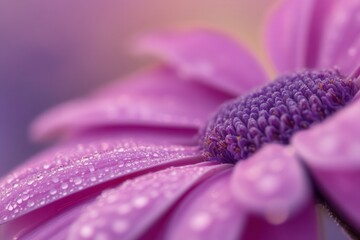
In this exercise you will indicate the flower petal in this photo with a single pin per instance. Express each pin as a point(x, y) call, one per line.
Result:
point(127, 211)
point(209, 212)
point(301, 226)
point(309, 33)
point(271, 182)
point(340, 43)
point(207, 56)
point(154, 98)
point(81, 164)
point(333, 144)
point(332, 152)
point(42, 224)
point(287, 32)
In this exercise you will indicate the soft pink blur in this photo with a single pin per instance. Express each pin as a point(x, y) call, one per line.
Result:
point(51, 51)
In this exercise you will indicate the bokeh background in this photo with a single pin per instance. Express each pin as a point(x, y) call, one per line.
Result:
point(52, 51)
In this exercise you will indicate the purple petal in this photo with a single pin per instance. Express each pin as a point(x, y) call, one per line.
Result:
point(68, 169)
point(321, 33)
point(287, 32)
point(332, 152)
point(333, 144)
point(301, 226)
point(209, 57)
point(340, 43)
point(154, 98)
point(271, 183)
point(42, 224)
point(129, 210)
point(209, 212)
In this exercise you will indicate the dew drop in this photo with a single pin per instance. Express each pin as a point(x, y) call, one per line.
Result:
point(64, 186)
point(254, 172)
point(46, 166)
point(140, 202)
point(352, 52)
point(200, 221)
point(53, 191)
point(268, 184)
point(86, 231)
point(55, 179)
point(77, 181)
point(30, 182)
point(91, 169)
point(9, 207)
point(25, 197)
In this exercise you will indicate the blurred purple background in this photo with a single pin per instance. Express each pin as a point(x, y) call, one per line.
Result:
point(51, 51)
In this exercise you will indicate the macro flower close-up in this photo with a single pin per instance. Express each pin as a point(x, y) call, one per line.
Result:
point(207, 143)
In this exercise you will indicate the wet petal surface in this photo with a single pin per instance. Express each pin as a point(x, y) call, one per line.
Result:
point(332, 152)
point(209, 57)
point(271, 182)
point(209, 212)
point(127, 211)
point(84, 163)
point(156, 98)
point(41, 225)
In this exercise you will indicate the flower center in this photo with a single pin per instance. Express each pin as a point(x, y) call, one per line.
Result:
point(273, 113)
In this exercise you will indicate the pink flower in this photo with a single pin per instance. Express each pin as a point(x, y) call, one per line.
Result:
point(139, 139)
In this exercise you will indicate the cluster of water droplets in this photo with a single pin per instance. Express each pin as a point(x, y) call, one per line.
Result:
point(138, 202)
point(60, 172)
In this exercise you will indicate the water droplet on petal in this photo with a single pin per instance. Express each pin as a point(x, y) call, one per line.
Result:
point(55, 179)
point(9, 207)
point(53, 191)
point(268, 184)
point(91, 168)
point(86, 231)
point(25, 197)
point(140, 202)
point(77, 181)
point(64, 186)
point(46, 166)
point(200, 221)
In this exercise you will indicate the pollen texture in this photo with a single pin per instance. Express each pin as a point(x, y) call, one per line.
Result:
point(274, 113)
